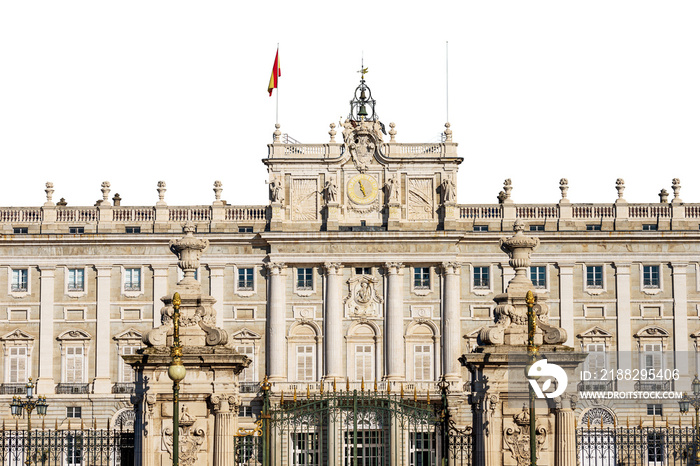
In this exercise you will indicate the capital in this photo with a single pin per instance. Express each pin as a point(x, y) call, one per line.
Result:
point(393, 268)
point(332, 268)
point(450, 268)
point(274, 268)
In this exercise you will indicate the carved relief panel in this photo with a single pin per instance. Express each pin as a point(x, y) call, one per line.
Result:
point(363, 299)
point(421, 193)
point(304, 199)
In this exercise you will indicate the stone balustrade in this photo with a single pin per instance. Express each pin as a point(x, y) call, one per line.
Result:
point(331, 150)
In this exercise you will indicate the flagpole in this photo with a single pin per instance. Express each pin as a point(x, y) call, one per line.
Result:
point(447, 83)
point(277, 97)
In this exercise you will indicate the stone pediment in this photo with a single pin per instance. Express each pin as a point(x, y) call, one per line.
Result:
point(246, 334)
point(652, 332)
point(17, 335)
point(129, 334)
point(77, 335)
point(595, 332)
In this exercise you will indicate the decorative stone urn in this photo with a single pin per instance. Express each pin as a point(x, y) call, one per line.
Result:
point(209, 393)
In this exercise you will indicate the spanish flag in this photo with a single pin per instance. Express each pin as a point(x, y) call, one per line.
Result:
point(276, 72)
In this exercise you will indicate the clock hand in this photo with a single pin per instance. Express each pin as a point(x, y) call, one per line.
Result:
point(362, 188)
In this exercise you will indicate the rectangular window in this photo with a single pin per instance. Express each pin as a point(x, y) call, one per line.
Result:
point(651, 276)
point(364, 362)
point(592, 227)
point(595, 362)
point(74, 449)
point(133, 229)
point(650, 227)
point(20, 231)
point(245, 278)
point(536, 227)
point(128, 374)
point(248, 374)
point(17, 362)
point(245, 229)
point(20, 278)
point(655, 410)
point(367, 446)
point(652, 359)
point(655, 448)
point(481, 228)
point(76, 230)
point(305, 448)
point(305, 363)
point(305, 278)
point(75, 360)
point(363, 270)
point(423, 449)
point(422, 362)
point(76, 279)
point(245, 411)
point(481, 277)
point(421, 278)
point(132, 279)
point(538, 276)
point(74, 411)
point(594, 276)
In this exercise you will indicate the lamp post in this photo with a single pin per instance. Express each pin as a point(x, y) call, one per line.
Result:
point(18, 406)
point(685, 404)
point(532, 350)
point(176, 372)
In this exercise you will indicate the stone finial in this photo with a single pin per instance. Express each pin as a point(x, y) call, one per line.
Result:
point(564, 186)
point(663, 196)
point(49, 193)
point(188, 250)
point(501, 197)
point(392, 132)
point(507, 188)
point(620, 186)
point(218, 187)
point(161, 193)
point(105, 192)
point(448, 132)
point(277, 134)
point(519, 248)
point(676, 186)
point(117, 199)
point(332, 132)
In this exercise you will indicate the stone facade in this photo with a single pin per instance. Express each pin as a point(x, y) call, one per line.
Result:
point(362, 266)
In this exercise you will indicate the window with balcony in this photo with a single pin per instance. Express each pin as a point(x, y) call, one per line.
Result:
point(76, 280)
point(364, 362)
point(127, 375)
point(17, 365)
point(74, 365)
point(20, 281)
point(305, 359)
point(423, 362)
point(248, 374)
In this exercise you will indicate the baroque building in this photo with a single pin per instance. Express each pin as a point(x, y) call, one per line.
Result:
point(362, 268)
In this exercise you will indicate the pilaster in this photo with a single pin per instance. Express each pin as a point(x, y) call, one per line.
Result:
point(396, 367)
point(565, 437)
point(566, 301)
point(624, 328)
point(680, 315)
point(225, 427)
point(451, 323)
point(160, 289)
point(216, 290)
point(333, 318)
point(102, 382)
point(276, 329)
point(45, 383)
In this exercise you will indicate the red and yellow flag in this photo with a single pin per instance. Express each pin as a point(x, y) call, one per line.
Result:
point(276, 72)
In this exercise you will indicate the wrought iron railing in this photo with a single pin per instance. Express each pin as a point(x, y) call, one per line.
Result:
point(653, 385)
point(597, 386)
point(13, 389)
point(123, 388)
point(249, 387)
point(72, 388)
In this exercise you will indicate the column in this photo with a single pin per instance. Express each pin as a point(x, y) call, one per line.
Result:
point(565, 438)
point(276, 325)
point(680, 317)
point(216, 290)
point(45, 383)
point(566, 301)
point(451, 322)
point(395, 367)
point(103, 382)
point(333, 318)
point(160, 289)
point(624, 328)
point(225, 426)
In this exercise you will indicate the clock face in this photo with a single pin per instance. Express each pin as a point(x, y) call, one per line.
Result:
point(363, 189)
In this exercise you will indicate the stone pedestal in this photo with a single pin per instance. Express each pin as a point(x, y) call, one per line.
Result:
point(276, 216)
point(449, 213)
point(332, 216)
point(394, 220)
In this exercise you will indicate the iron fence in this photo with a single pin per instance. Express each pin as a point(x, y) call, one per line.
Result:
point(94, 447)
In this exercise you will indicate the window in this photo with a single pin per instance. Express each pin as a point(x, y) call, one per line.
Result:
point(245, 411)
point(133, 229)
point(245, 279)
point(305, 363)
point(481, 228)
point(652, 358)
point(248, 374)
point(594, 276)
point(422, 362)
point(422, 449)
point(651, 276)
point(305, 278)
point(17, 365)
point(364, 362)
point(421, 278)
point(75, 361)
point(76, 280)
point(132, 279)
point(536, 227)
point(650, 227)
point(538, 276)
point(363, 270)
point(655, 410)
point(245, 229)
point(20, 279)
point(76, 230)
point(74, 411)
point(481, 277)
point(595, 362)
point(592, 227)
point(128, 375)
point(655, 448)
point(305, 448)
point(20, 231)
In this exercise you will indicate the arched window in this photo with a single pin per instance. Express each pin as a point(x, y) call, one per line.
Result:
point(362, 351)
point(304, 349)
point(422, 350)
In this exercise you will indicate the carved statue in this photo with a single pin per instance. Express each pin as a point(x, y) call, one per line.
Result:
point(448, 190)
point(331, 191)
point(392, 189)
point(276, 190)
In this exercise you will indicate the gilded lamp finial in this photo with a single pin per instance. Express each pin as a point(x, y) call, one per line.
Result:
point(529, 298)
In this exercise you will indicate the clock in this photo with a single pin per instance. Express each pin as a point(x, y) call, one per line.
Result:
point(363, 189)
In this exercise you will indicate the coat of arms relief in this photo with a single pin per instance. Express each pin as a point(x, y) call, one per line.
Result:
point(362, 299)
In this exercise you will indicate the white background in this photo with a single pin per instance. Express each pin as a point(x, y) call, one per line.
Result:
point(139, 91)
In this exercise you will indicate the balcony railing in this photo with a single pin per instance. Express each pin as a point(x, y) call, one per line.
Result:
point(72, 388)
point(653, 385)
point(420, 387)
point(597, 386)
point(249, 387)
point(13, 389)
point(123, 388)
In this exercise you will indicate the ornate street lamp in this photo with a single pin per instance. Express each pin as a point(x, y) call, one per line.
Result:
point(693, 400)
point(18, 406)
point(176, 372)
